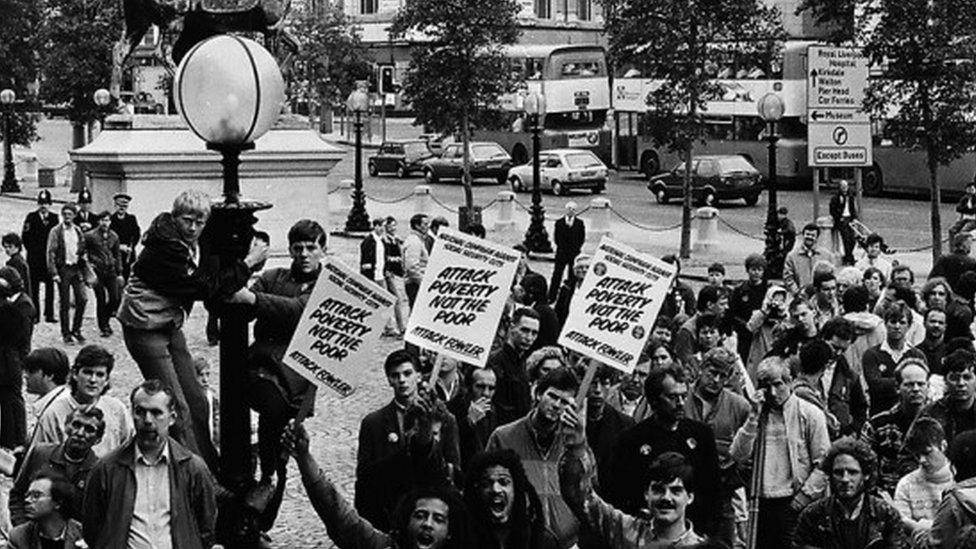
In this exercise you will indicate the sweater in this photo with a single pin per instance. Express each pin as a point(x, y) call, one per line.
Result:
point(918, 493)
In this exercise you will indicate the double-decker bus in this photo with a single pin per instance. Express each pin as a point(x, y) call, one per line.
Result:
point(574, 83)
point(734, 127)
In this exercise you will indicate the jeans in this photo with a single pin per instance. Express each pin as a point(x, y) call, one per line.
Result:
point(36, 280)
point(412, 289)
point(395, 285)
point(72, 280)
point(776, 522)
point(107, 295)
point(162, 354)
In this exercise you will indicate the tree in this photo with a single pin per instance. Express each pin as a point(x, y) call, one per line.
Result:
point(75, 41)
point(18, 62)
point(458, 70)
point(676, 43)
point(835, 16)
point(927, 94)
point(331, 56)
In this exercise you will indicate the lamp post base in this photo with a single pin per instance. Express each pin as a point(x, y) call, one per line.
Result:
point(225, 241)
point(536, 237)
point(9, 181)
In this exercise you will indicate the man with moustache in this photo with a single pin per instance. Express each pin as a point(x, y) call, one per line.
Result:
point(850, 516)
point(152, 492)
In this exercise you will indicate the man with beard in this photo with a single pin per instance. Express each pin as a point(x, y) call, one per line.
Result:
point(418, 463)
point(956, 411)
point(669, 492)
point(667, 430)
point(850, 516)
point(34, 235)
point(800, 263)
point(73, 459)
point(885, 432)
point(934, 344)
point(512, 399)
point(536, 438)
point(427, 518)
point(603, 423)
point(473, 413)
point(794, 433)
point(152, 492)
point(713, 404)
point(505, 508)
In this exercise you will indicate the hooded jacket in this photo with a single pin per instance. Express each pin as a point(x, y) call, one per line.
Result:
point(762, 325)
point(958, 508)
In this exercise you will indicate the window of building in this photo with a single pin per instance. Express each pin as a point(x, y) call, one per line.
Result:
point(584, 9)
point(368, 6)
point(543, 9)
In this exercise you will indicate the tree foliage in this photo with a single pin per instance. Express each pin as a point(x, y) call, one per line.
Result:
point(331, 55)
point(836, 17)
point(458, 70)
point(676, 43)
point(926, 94)
point(75, 42)
point(18, 61)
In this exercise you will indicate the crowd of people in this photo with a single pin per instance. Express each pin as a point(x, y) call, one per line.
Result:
point(834, 409)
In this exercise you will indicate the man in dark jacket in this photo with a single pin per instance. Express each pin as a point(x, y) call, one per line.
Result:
point(37, 225)
point(117, 500)
point(846, 397)
point(512, 399)
point(843, 210)
point(473, 413)
point(17, 314)
point(603, 423)
point(958, 261)
point(746, 298)
point(569, 237)
point(850, 516)
point(13, 246)
point(580, 265)
point(105, 257)
point(956, 411)
point(126, 226)
point(667, 430)
point(880, 361)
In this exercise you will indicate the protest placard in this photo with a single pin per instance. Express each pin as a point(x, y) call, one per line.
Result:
point(462, 296)
point(339, 329)
point(611, 315)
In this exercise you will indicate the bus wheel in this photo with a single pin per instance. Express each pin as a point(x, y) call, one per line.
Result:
point(519, 155)
point(650, 164)
point(873, 181)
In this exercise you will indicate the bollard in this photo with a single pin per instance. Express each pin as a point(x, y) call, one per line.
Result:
point(599, 215)
point(826, 224)
point(506, 214)
point(706, 229)
point(421, 199)
point(27, 169)
point(343, 197)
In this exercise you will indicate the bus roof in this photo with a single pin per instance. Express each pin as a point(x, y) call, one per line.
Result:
point(531, 51)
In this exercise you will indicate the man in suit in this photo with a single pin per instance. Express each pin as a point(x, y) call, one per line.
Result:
point(570, 234)
point(86, 219)
point(126, 227)
point(37, 225)
point(843, 210)
point(382, 432)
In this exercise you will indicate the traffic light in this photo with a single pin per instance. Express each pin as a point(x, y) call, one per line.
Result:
point(386, 82)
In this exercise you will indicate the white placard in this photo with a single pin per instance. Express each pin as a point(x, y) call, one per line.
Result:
point(611, 315)
point(339, 329)
point(462, 296)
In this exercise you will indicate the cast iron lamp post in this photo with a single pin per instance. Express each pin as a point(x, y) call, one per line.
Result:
point(536, 237)
point(358, 220)
point(230, 91)
point(9, 185)
point(770, 108)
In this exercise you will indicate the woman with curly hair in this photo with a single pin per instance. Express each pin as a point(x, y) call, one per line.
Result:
point(505, 508)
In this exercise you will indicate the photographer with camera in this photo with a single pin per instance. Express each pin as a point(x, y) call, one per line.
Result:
point(765, 324)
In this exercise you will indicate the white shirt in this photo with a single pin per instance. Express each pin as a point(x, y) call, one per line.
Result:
point(150, 526)
point(379, 261)
point(70, 245)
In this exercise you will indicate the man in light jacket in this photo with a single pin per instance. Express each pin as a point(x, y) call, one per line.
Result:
point(415, 256)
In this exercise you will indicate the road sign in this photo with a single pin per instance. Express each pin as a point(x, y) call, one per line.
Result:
point(838, 130)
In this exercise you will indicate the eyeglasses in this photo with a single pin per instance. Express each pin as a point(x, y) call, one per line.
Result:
point(35, 495)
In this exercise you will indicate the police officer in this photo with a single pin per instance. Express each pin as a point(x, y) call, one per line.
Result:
point(37, 225)
point(127, 227)
point(86, 220)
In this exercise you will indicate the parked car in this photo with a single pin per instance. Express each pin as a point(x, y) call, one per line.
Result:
point(562, 170)
point(488, 160)
point(399, 157)
point(713, 178)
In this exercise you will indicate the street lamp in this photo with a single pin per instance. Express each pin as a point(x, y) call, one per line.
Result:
point(536, 237)
point(358, 220)
point(230, 91)
point(770, 108)
point(102, 98)
point(9, 185)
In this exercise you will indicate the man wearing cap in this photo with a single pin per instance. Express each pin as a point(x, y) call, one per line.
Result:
point(126, 227)
point(86, 220)
point(569, 236)
point(104, 255)
point(17, 316)
point(37, 225)
point(66, 263)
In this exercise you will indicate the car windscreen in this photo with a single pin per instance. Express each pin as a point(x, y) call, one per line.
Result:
point(416, 149)
point(735, 164)
point(485, 152)
point(583, 160)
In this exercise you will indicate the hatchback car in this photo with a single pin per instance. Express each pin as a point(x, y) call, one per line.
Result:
point(399, 157)
point(562, 170)
point(713, 178)
point(488, 160)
